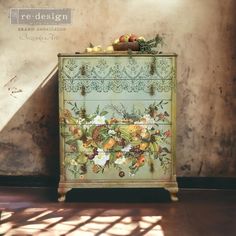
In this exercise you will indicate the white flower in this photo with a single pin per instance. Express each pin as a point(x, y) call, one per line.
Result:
point(99, 120)
point(120, 161)
point(111, 132)
point(147, 122)
point(101, 158)
point(73, 162)
point(126, 148)
point(81, 120)
point(149, 119)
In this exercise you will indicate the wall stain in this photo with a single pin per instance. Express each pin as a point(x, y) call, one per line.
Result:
point(15, 156)
point(186, 167)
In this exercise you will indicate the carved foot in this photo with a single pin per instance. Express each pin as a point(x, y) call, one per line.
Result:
point(173, 193)
point(62, 194)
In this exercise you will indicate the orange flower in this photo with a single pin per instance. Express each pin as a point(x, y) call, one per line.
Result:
point(96, 168)
point(140, 161)
point(75, 131)
point(87, 143)
point(119, 154)
point(113, 120)
point(109, 144)
point(134, 129)
point(143, 146)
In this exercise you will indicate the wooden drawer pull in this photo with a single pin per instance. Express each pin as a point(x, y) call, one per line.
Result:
point(82, 70)
point(83, 90)
point(152, 90)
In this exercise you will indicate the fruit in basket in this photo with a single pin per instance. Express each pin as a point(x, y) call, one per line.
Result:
point(124, 38)
point(89, 49)
point(109, 49)
point(97, 48)
point(141, 38)
point(133, 38)
point(92, 48)
point(116, 41)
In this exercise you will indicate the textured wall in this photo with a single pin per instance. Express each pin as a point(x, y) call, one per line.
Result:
point(202, 33)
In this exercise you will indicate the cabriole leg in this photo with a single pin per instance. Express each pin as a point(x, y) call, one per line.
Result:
point(62, 193)
point(173, 193)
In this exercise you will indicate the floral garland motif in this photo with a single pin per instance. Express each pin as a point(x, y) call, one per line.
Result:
point(116, 86)
point(100, 143)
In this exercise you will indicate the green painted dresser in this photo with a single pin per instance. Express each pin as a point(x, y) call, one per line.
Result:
point(117, 121)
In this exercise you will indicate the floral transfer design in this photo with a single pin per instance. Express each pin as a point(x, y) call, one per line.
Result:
point(100, 143)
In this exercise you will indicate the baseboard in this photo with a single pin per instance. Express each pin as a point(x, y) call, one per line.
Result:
point(28, 181)
point(207, 182)
point(183, 182)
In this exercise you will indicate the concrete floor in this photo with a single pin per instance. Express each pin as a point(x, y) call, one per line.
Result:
point(34, 211)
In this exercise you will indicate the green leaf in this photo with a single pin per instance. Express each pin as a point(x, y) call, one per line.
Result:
point(70, 141)
point(66, 135)
point(82, 159)
point(97, 110)
point(117, 148)
point(103, 113)
point(90, 131)
point(135, 143)
point(92, 117)
point(112, 157)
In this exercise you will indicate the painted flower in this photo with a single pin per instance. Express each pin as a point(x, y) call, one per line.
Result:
point(73, 162)
point(167, 133)
point(134, 129)
point(146, 122)
point(101, 158)
point(143, 146)
point(120, 161)
point(126, 148)
point(109, 144)
point(99, 120)
point(111, 132)
point(145, 134)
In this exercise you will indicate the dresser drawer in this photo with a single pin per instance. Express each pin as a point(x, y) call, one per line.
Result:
point(120, 67)
point(122, 169)
point(84, 89)
point(101, 151)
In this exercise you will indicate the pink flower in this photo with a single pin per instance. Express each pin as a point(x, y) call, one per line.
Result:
point(167, 133)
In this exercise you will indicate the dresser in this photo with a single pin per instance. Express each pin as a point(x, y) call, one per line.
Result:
point(117, 118)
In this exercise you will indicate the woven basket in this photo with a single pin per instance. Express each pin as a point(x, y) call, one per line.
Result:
point(134, 46)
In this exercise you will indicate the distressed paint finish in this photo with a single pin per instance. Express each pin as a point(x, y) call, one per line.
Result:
point(202, 33)
point(116, 99)
point(117, 145)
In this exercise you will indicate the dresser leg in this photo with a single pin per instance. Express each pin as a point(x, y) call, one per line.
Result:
point(173, 193)
point(62, 193)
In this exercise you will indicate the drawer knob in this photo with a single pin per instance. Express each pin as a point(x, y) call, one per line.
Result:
point(152, 90)
point(153, 66)
point(83, 90)
point(82, 70)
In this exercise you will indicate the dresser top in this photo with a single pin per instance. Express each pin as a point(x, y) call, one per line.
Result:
point(115, 54)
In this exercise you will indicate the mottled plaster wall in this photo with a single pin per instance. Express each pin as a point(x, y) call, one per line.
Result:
point(202, 33)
